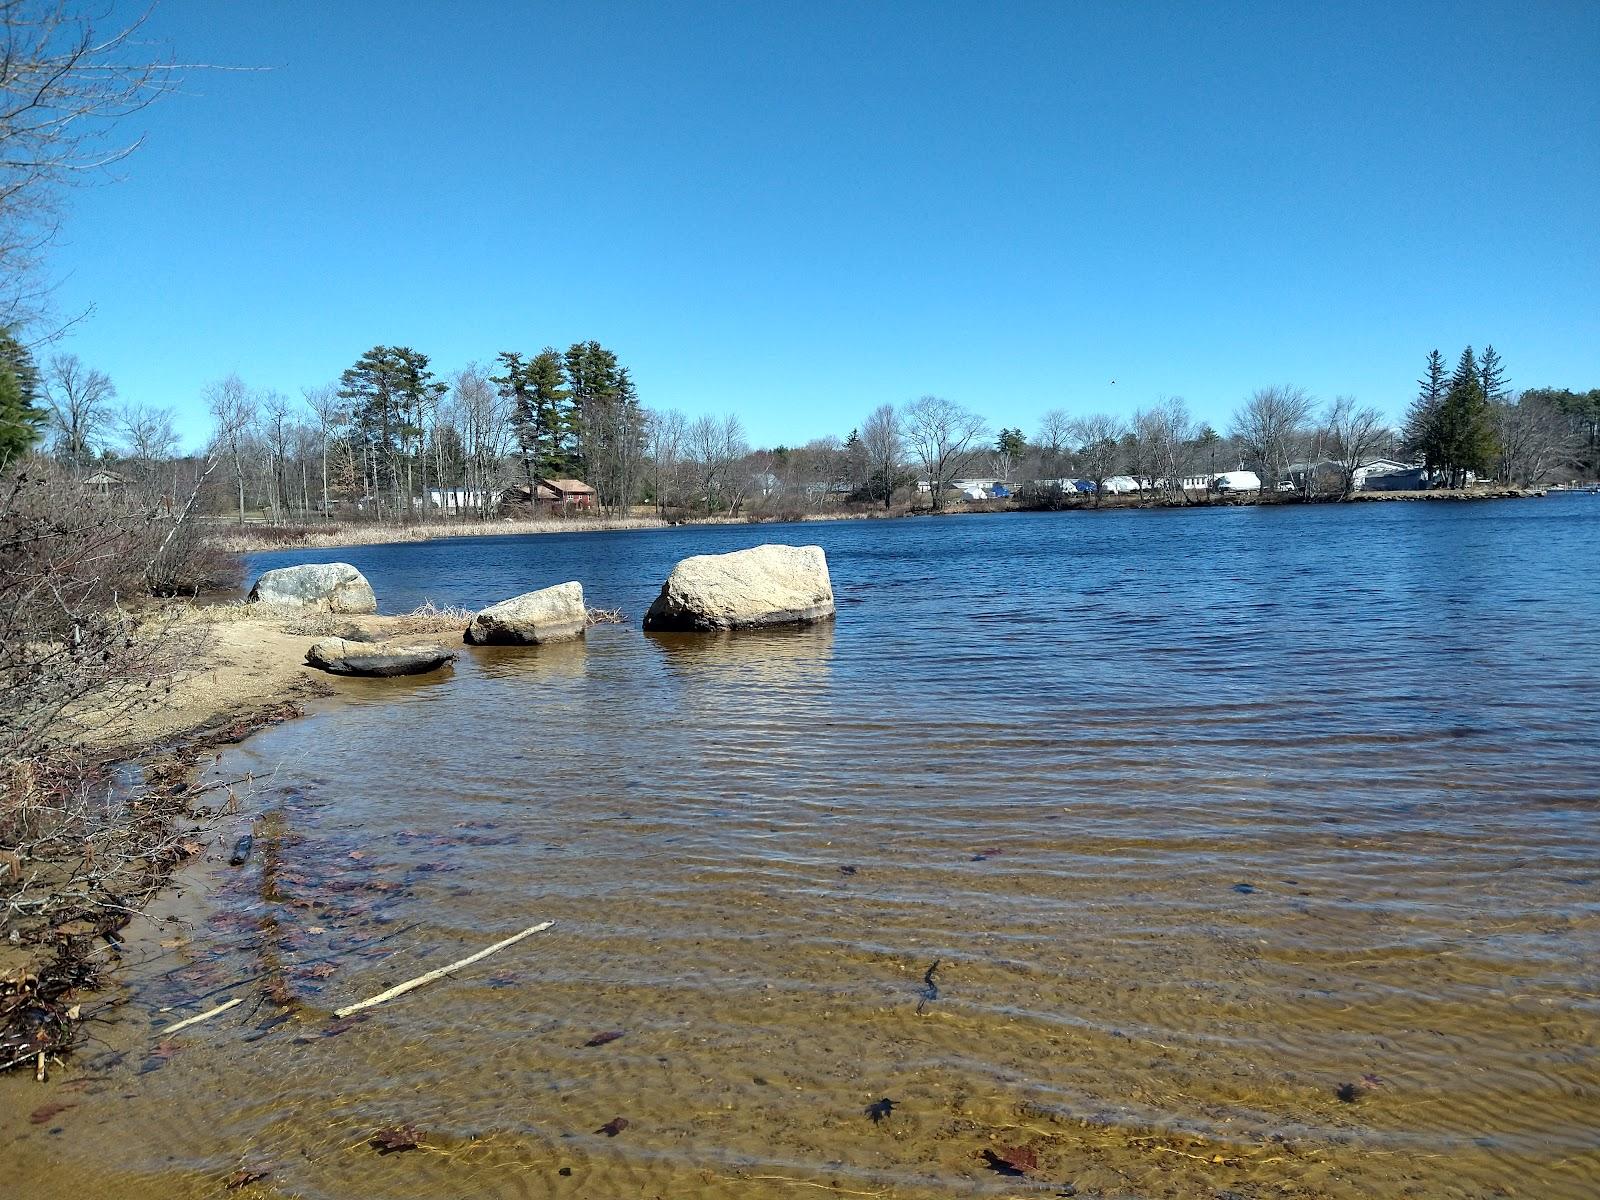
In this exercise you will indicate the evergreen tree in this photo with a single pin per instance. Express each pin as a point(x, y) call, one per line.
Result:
point(592, 382)
point(21, 418)
point(1464, 425)
point(552, 403)
point(1420, 436)
point(1492, 376)
point(370, 387)
point(536, 391)
point(1012, 443)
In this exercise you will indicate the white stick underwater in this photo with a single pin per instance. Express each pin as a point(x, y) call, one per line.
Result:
point(205, 1016)
point(401, 989)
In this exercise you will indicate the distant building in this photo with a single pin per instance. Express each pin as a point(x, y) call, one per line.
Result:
point(1395, 473)
point(1399, 478)
point(975, 489)
point(550, 493)
point(454, 500)
point(105, 480)
point(1237, 483)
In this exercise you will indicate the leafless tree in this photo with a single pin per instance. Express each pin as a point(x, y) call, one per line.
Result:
point(1164, 442)
point(328, 411)
point(1053, 441)
point(1267, 425)
point(883, 443)
point(66, 83)
point(1099, 439)
point(148, 434)
point(714, 447)
point(1534, 438)
point(479, 415)
point(1353, 433)
point(233, 416)
point(666, 434)
point(79, 400)
point(944, 437)
point(276, 417)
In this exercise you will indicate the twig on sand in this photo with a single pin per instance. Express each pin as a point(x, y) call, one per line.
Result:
point(401, 989)
point(205, 1016)
point(824, 1187)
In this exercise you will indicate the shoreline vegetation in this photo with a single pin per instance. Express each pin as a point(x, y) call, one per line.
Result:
point(264, 536)
point(140, 815)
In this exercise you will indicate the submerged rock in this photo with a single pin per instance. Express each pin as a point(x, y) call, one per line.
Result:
point(765, 585)
point(552, 614)
point(345, 657)
point(330, 587)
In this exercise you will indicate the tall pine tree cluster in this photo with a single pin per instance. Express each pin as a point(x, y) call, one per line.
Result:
point(578, 414)
point(1450, 424)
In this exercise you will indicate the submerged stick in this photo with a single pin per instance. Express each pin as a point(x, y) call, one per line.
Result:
point(401, 989)
point(205, 1016)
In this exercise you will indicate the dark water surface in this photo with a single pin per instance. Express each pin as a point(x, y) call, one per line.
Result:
point(1233, 853)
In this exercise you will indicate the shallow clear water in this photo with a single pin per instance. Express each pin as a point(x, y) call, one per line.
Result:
point(1256, 850)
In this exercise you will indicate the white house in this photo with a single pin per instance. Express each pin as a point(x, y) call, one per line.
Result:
point(454, 500)
point(1233, 483)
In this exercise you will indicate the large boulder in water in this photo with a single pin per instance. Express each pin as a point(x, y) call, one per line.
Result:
point(330, 587)
point(552, 614)
point(765, 585)
point(343, 656)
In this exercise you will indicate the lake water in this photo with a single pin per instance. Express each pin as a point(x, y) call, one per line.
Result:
point(1234, 853)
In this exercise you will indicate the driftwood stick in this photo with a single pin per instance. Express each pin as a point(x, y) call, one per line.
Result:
point(401, 989)
point(205, 1016)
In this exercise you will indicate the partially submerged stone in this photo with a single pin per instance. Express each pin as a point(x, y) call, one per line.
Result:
point(343, 656)
point(328, 587)
point(748, 589)
point(552, 614)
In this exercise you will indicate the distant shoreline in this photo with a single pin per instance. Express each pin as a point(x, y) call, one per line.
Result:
point(261, 538)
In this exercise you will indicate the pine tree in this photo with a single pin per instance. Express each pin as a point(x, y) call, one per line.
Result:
point(552, 406)
point(1465, 423)
point(21, 418)
point(1492, 376)
point(1420, 437)
point(536, 391)
point(372, 386)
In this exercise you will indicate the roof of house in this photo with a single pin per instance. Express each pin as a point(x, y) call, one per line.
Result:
point(104, 475)
point(568, 485)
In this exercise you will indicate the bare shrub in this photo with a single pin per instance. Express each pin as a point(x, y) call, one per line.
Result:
point(81, 648)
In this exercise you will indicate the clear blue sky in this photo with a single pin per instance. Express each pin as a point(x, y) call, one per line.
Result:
point(798, 212)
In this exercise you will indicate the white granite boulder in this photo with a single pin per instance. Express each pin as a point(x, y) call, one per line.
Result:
point(552, 614)
point(748, 589)
point(328, 587)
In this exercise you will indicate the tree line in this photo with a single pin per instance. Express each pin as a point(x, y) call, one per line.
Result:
point(391, 439)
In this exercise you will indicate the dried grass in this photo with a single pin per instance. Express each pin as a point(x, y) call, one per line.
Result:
point(251, 540)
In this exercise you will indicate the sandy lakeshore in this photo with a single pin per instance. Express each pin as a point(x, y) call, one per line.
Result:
point(206, 676)
point(238, 662)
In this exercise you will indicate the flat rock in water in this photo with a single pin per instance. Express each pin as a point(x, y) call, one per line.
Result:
point(328, 587)
point(748, 589)
point(552, 614)
point(344, 657)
